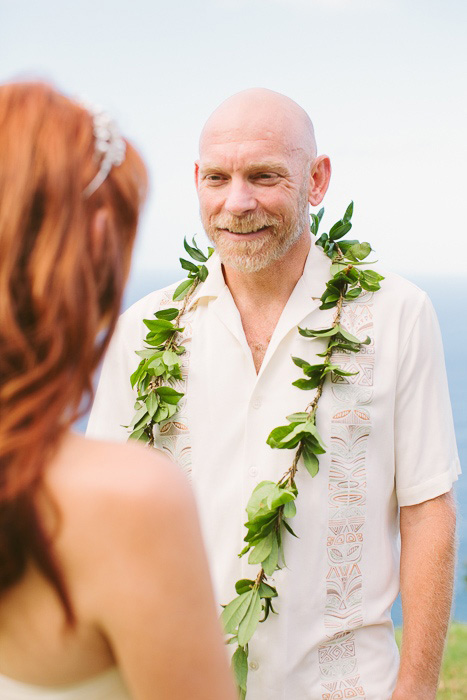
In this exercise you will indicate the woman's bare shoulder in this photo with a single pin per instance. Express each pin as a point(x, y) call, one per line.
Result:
point(112, 491)
point(112, 469)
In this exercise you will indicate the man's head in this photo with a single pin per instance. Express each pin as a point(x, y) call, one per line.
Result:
point(256, 175)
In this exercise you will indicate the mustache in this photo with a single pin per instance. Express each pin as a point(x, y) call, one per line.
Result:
point(244, 224)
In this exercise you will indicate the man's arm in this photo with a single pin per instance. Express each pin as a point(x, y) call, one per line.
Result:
point(427, 574)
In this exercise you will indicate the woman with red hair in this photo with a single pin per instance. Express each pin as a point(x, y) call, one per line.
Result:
point(104, 590)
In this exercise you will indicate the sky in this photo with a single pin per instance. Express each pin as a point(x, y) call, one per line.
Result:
point(383, 80)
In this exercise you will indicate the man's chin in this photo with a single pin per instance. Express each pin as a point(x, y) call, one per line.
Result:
point(247, 260)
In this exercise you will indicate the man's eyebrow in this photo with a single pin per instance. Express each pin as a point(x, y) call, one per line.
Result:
point(268, 165)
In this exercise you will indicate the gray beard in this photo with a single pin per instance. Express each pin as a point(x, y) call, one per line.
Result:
point(253, 256)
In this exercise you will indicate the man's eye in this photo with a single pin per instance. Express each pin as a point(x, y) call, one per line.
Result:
point(265, 176)
point(214, 178)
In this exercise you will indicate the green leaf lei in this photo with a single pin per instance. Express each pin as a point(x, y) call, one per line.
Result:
point(271, 506)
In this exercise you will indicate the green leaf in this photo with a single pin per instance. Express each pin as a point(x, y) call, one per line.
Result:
point(244, 585)
point(161, 414)
point(307, 384)
point(167, 314)
point(188, 265)
point(360, 250)
point(138, 416)
point(342, 373)
point(352, 338)
point(203, 273)
point(136, 374)
point(170, 358)
point(328, 305)
point(325, 333)
point(270, 564)
point(353, 293)
point(315, 222)
point(329, 250)
point(158, 325)
point(259, 497)
point(281, 497)
point(281, 438)
point(172, 409)
point(310, 460)
point(322, 240)
point(298, 417)
point(194, 251)
point(138, 435)
point(339, 230)
point(371, 274)
point(169, 395)
point(288, 528)
point(260, 526)
point(240, 667)
point(262, 549)
point(147, 353)
point(248, 624)
point(348, 212)
point(290, 510)
point(182, 290)
point(299, 362)
point(313, 431)
point(267, 591)
point(234, 612)
point(152, 403)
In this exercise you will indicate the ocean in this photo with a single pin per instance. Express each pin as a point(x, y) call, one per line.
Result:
point(448, 296)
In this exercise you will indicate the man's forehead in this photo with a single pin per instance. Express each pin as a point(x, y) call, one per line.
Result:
point(260, 145)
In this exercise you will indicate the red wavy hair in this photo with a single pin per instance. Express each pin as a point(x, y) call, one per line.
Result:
point(55, 296)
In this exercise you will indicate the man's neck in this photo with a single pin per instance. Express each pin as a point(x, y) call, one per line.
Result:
point(273, 285)
point(260, 297)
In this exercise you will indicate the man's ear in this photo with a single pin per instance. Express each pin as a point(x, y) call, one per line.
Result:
point(197, 174)
point(319, 179)
point(99, 226)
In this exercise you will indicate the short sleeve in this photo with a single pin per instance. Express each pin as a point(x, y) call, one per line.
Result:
point(426, 458)
point(113, 406)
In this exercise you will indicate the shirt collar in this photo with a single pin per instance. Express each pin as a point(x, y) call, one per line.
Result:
point(310, 285)
point(214, 284)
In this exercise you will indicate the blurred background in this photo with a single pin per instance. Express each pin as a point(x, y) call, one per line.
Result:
point(384, 81)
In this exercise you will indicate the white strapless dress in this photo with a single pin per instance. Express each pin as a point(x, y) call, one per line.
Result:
point(106, 686)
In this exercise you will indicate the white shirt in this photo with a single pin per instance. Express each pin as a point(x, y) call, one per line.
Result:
point(390, 442)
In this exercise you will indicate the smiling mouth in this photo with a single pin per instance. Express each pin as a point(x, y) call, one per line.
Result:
point(245, 233)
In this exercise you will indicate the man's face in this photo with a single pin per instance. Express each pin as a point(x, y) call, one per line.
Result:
point(253, 196)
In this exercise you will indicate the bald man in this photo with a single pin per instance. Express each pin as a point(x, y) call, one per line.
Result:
point(391, 455)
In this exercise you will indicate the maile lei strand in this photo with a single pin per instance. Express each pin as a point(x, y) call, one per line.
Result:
point(271, 506)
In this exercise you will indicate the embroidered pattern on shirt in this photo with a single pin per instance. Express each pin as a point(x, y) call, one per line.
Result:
point(173, 436)
point(350, 430)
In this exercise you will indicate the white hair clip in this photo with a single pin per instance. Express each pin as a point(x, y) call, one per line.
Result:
point(109, 147)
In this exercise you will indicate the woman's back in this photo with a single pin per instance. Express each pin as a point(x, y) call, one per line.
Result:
point(135, 568)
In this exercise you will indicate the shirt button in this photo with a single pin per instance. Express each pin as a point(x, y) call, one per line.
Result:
point(256, 403)
point(253, 472)
point(253, 665)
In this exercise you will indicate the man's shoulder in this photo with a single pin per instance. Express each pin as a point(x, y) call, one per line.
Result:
point(399, 293)
point(147, 306)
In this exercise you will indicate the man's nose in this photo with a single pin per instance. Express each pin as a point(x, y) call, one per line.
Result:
point(240, 198)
